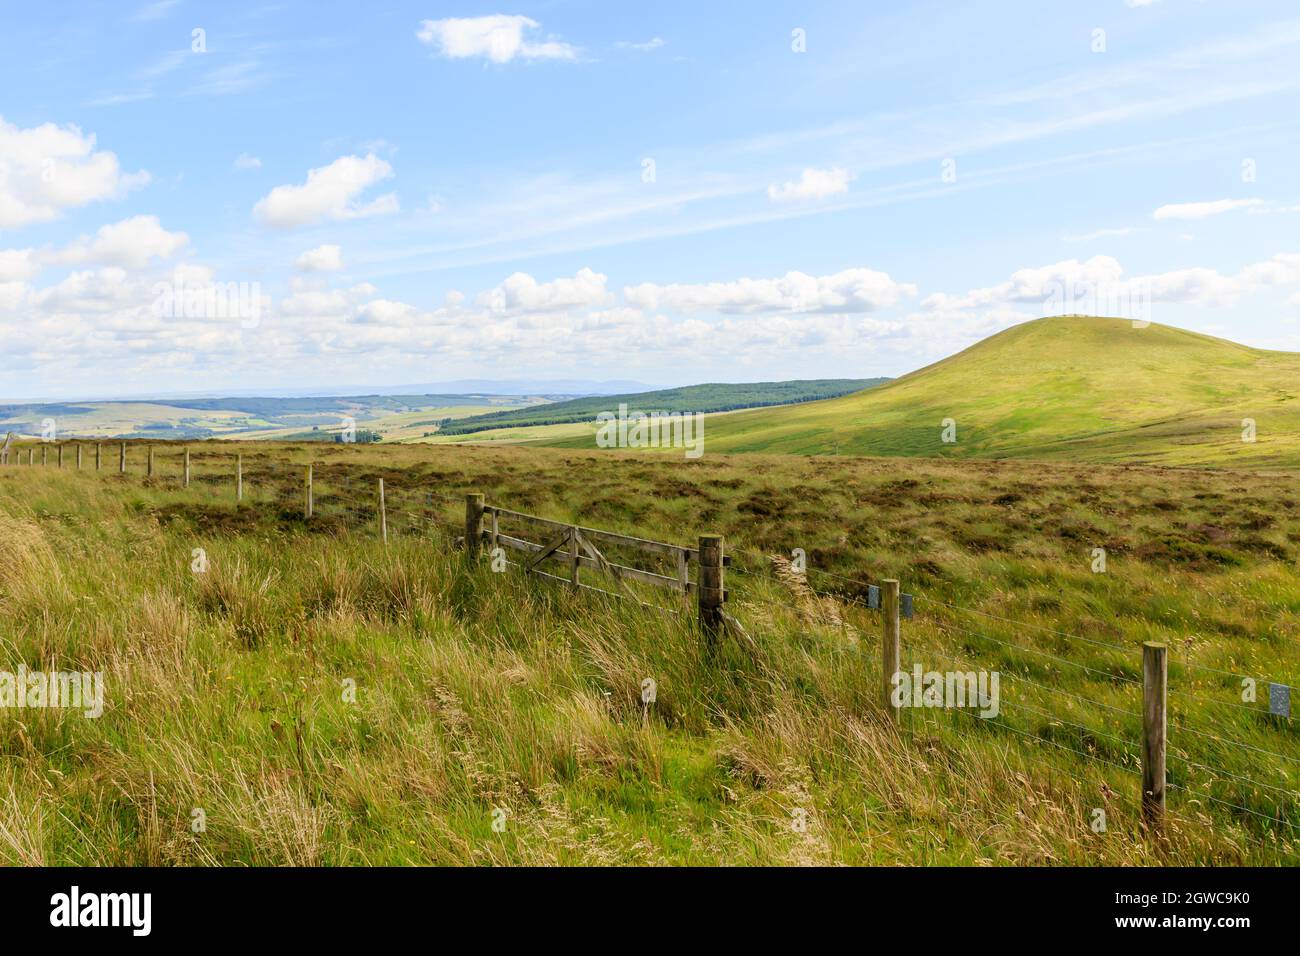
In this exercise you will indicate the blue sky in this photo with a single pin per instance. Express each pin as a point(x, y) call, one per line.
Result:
point(666, 192)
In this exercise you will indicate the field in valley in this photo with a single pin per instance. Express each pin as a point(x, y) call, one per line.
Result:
point(485, 697)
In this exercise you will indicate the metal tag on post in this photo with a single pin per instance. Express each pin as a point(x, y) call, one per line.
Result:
point(905, 606)
point(1279, 700)
point(873, 596)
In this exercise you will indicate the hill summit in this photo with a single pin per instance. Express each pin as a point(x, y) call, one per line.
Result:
point(1073, 387)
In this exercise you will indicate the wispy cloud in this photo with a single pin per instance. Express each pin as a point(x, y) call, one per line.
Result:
point(1202, 210)
point(653, 43)
point(156, 10)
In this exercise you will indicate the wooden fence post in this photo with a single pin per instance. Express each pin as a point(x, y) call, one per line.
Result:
point(712, 585)
point(1155, 682)
point(60, 450)
point(473, 523)
point(186, 480)
point(97, 456)
point(149, 467)
point(45, 455)
point(78, 456)
point(31, 456)
point(121, 462)
point(239, 482)
point(307, 505)
point(889, 645)
point(383, 514)
point(573, 557)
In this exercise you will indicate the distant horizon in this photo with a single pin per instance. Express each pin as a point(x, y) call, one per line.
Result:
point(399, 391)
point(568, 388)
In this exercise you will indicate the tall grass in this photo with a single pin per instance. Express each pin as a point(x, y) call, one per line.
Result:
point(483, 697)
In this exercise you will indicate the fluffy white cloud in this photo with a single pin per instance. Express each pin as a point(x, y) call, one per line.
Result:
point(813, 184)
point(47, 169)
point(1098, 286)
point(522, 293)
point(853, 290)
point(321, 259)
point(499, 38)
point(1201, 210)
point(18, 264)
point(132, 242)
point(331, 192)
point(1033, 285)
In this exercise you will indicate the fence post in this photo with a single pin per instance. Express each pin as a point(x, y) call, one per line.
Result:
point(383, 514)
point(1155, 682)
point(712, 586)
point(31, 457)
point(573, 556)
point(60, 450)
point(307, 505)
point(889, 645)
point(97, 456)
point(78, 456)
point(45, 455)
point(186, 479)
point(121, 462)
point(473, 523)
point(239, 481)
point(149, 467)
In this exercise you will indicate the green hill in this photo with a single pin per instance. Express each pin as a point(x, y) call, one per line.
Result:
point(1069, 387)
point(713, 397)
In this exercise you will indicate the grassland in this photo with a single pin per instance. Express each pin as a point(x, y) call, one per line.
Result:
point(1067, 388)
point(713, 397)
point(478, 692)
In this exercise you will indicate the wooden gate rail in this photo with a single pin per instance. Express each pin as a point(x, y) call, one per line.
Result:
point(577, 547)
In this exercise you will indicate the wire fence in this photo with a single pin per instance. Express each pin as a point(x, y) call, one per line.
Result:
point(1037, 708)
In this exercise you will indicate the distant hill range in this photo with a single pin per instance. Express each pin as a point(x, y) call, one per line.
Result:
point(1070, 387)
point(713, 397)
point(253, 416)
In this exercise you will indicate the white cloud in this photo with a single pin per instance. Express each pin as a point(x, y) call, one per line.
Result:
point(47, 169)
point(1093, 286)
point(321, 259)
point(653, 43)
point(813, 184)
point(245, 161)
point(1200, 210)
point(1033, 285)
point(330, 193)
point(18, 264)
point(499, 38)
point(853, 290)
point(522, 293)
point(132, 242)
